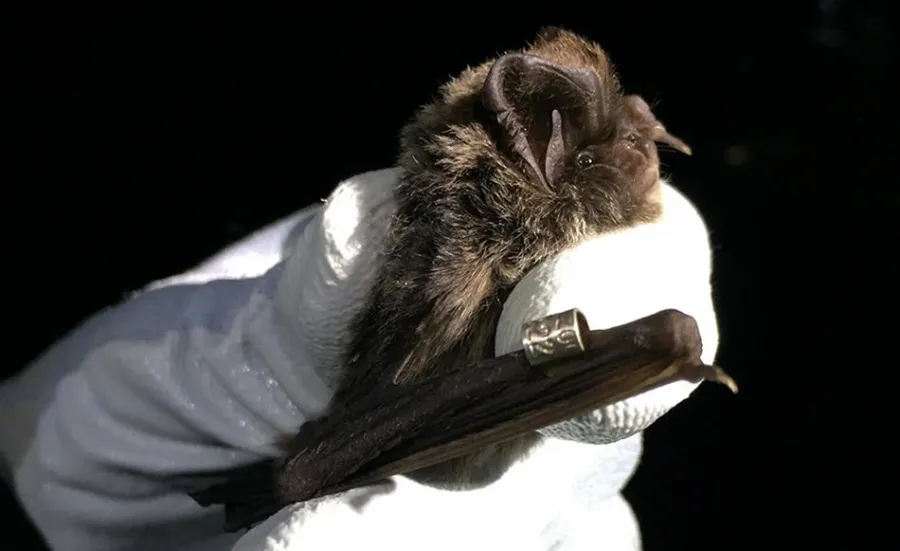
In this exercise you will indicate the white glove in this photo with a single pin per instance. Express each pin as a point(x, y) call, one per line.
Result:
point(190, 378)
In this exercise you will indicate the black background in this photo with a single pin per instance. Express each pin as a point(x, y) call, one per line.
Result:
point(141, 142)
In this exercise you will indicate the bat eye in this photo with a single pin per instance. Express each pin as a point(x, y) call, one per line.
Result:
point(633, 138)
point(585, 159)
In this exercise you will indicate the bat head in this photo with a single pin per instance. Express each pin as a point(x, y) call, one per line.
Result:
point(565, 121)
point(550, 127)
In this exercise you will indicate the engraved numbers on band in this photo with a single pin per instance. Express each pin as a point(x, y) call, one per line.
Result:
point(555, 336)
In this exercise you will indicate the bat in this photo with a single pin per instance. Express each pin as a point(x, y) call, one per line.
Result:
point(563, 370)
point(514, 161)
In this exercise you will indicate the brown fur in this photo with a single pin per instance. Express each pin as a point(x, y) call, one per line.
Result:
point(471, 220)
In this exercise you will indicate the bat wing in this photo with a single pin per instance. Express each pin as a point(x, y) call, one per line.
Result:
point(408, 428)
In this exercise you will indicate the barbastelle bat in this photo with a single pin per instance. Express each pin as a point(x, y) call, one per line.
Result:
point(516, 160)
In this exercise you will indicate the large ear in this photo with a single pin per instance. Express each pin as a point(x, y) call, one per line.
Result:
point(545, 109)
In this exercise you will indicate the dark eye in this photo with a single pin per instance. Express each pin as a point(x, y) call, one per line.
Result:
point(633, 138)
point(584, 159)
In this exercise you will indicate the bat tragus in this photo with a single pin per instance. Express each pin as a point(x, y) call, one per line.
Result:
point(563, 370)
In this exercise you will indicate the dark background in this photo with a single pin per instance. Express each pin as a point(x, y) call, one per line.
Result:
point(141, 142)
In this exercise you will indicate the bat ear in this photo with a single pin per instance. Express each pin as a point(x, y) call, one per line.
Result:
point(546, 110)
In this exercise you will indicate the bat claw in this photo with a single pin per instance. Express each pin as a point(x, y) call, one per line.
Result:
point(703, 372)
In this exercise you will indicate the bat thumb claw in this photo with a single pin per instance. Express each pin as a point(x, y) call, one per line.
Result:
point(703, 372)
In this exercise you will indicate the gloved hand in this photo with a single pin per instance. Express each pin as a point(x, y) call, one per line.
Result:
point(104, 432)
